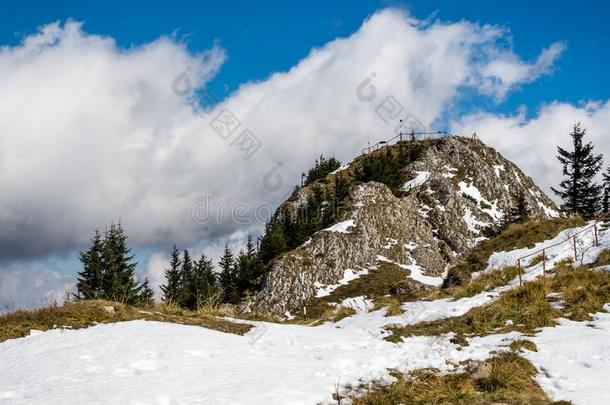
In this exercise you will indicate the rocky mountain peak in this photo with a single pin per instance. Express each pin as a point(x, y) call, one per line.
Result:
point(416, 204)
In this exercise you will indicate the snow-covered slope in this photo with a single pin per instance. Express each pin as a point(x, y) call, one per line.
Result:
point(142, 362)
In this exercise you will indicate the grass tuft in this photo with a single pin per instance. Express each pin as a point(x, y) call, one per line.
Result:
point(509, 379)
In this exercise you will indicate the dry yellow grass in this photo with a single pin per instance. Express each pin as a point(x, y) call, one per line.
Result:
point(509, 380)
point(82, 314)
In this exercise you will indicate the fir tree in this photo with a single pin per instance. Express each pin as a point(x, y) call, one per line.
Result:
point(228, 279)
point(118, 282)
point(89, 282)
point(203, 282)
point(171, 289)
point(521, 212)
point(146, 296)
point(578, 190)
point(273, 242)
point(187, 299)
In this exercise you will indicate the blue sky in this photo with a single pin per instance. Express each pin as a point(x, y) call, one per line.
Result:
point(265, 36)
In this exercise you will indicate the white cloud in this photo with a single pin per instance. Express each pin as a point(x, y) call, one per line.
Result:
point(531, 143)
point(21, 287)
point(90, 132)
point(505, 71)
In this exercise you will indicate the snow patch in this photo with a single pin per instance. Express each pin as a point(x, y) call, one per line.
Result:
point(416, 272)
point(341, 227)
point(574, 360)
point(551, 213)
point(324, 290)
point(497, 169)
point(345, 166)
point(420, 178)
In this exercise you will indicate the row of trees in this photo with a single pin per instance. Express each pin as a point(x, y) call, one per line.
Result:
point(109, 270)
point(194, 284)
point(579, 191)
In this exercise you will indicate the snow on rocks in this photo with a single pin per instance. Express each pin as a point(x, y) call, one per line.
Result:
point(342, 227)
point(359, 304)
point(348, 275)
point(416, 272)
point(420, 178)
point(551, 213)
point(574, 360)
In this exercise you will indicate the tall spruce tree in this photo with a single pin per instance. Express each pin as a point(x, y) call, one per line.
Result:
point(247, 267)
point(187, 299)
point(172, 287)
point(227, 278)
point(119, 282)
point(89, 281)
point(203, 282)
point(578, 190)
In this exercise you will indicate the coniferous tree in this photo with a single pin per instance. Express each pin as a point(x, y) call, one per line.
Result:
point(227, 278)
point(187, 299)
point(171, 289)
point(109, 271)
point(578, 190)
point(203, 282)
point(273, 242)
point(146, 295)
point(521, 212)
point(119, 282)
point(89, 282)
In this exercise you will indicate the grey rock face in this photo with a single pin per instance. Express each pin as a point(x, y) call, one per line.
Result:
point(458, 187)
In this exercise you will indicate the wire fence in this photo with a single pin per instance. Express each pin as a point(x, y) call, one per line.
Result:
point(575, 239)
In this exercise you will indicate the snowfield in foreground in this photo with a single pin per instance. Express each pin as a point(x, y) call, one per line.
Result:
point(153, 363)
point(574, 360)
point(142, 362)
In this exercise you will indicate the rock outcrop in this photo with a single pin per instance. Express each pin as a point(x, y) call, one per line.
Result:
point(457, 188)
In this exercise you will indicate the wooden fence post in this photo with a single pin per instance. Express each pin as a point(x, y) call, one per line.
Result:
point(596, 235)
point(544, 264)
point(575, 251)
point(519, 266)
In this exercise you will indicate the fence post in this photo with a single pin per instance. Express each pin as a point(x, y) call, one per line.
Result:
point(575, 251)
point(543, 263)
point(596, 235)
point(519, 266)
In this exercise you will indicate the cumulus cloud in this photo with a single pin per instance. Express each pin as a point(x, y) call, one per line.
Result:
point(531, 143)
point(90, 132)
point(22, 287)
point(505, 71)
